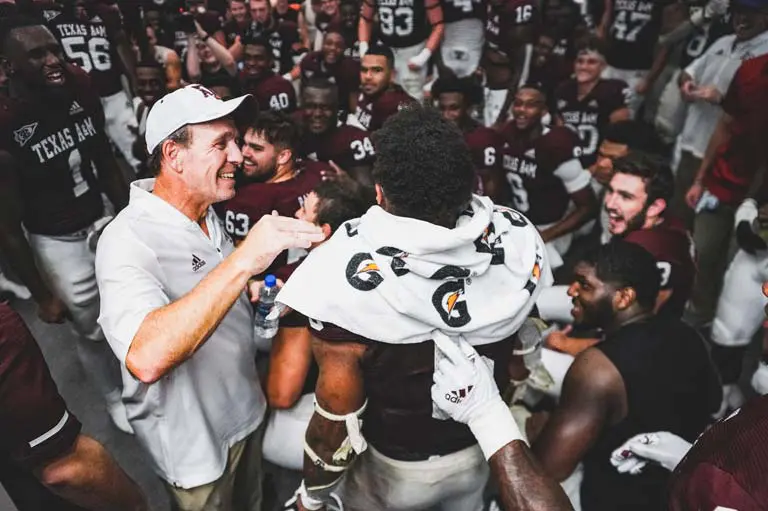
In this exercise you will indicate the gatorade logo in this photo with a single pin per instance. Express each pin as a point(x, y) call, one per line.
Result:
point(363, 273)
point(449, 302)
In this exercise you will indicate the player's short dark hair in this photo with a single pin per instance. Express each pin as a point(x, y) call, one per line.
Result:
point(11, 23)
point(258, 40)
point(624, 264)
point(335, 29)
point(219, 80)
point(317, 82)
point(655, 173)
point(150, 63)
point(468, 87)
point(538, 87)
point(592, 43)
point(341, 200)
point(279, 129)
point(424, 166)
point(636, 135)
point(182, 136)
point(383, 51)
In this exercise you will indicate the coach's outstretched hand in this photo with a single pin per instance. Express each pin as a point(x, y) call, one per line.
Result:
point(662, 448)
point(273, 234)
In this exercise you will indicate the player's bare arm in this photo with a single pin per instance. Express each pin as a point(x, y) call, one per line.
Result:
point(435, 17)
point(586, 208)
point(289, 363)
point(127, 58)
point(720, 136)
point(365, 25)
point(518, 38)
point(340, 391)
point(605, 21)
point(593, 398)
point(15, 247)
point(523, 484)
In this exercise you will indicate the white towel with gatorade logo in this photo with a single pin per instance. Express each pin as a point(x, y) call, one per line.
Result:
point(396, 279)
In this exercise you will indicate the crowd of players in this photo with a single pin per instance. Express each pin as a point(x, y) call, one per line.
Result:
point(570, 194)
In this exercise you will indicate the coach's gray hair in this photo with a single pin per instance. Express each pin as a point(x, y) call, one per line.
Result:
point(182, 136)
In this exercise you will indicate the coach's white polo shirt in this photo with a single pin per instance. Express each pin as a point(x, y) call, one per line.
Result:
point(149, 256)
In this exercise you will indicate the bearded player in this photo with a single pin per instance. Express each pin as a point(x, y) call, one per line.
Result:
point(56, 162)
point(587, 103)
point(454, 98)
point(92, 37)
point(325, 140)
point(273, 179)
point(549, 185)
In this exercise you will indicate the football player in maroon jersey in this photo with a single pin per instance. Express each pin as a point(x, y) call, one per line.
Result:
point(379, 96)
point(413, 29)
point(56, 161)
point(510, 31)
point(92, 36)
point(271, 91)
point(587, 103)
point(273, 179)
point(331, 63)
point(454, 98)
point(543, 168)
point(324, 140)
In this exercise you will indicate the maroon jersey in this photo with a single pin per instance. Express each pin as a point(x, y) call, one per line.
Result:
point(345, 73)
point(486, 146)
point(398, 419)
point(254, 200)
point(537, 191)
point(290, 16)
point(273, 92)
point(347, 146)
point(91, 45)
point(372, 112)
point(726, 467)
point(672, 246)
point(504, 18)
point(590, 115)
point(739, 158)
point(53, 141)
point(554, 72)
point(457, 10)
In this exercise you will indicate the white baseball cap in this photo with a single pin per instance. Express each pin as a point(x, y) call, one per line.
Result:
point(192, 104)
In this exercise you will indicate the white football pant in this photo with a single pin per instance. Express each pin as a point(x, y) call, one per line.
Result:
point(462, 46)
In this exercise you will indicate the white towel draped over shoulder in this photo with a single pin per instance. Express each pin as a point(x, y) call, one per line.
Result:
point(395, 279)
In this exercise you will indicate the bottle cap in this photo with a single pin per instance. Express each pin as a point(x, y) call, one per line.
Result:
point(270, 281)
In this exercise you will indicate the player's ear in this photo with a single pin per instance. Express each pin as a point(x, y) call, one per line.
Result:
point(326, 230)
point(624, 298)
point(284, 156)
point(657, 208)
point(380, 200)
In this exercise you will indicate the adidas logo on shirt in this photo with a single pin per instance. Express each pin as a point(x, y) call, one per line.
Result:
point(75, 108)
point(593, 104)
point(197, 263)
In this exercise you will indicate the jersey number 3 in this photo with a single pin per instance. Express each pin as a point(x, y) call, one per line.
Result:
point(89, 56)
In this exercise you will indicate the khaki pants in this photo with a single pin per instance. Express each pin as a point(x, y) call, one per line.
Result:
point(238, 489)
point(715, 248)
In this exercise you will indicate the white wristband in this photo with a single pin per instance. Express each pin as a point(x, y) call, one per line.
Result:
point(746, 212)
point(495, 428)
point(307, 501)
point(422, 58)
point(362, 47)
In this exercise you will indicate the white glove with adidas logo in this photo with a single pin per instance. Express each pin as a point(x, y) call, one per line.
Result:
point(465, 391)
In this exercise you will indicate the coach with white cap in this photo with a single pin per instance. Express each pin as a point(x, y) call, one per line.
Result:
point(174, 308)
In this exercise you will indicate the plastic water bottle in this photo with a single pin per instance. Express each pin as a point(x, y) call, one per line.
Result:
point(265, 325)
